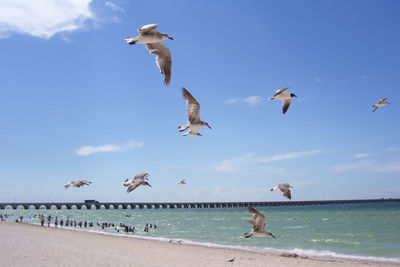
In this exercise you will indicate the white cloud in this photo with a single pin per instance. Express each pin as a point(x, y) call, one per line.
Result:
point(292, 155)
point(233, 165)
point(317, 79)
point(361, 155)
point(391, 149)
point(43, 18)
point(369, 166)
point(114, 6)
point(231, 100)
point(253, 100)
point(88, 150)
point(389, 167)
point(350, 166)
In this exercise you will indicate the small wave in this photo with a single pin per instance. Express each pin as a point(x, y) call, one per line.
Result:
point(334, 241)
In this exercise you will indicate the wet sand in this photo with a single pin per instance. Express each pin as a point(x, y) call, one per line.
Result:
point(32, 245)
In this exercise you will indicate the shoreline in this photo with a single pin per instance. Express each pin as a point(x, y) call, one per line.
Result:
point(66, 247)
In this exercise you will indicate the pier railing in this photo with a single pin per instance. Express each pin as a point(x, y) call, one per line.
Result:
point(183, 205)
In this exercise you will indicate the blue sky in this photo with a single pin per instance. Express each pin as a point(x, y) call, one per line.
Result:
point(77, 102)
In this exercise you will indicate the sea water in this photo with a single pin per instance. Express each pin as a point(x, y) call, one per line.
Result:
point(347, 231)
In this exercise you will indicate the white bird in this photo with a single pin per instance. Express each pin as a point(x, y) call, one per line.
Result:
point(258, 225)
point(77, 183)
point(283, 94)
point(381, 102)
point(153, 39)
point(139, 179)
point(183, 181)
point(285, 189)
point(193, 113)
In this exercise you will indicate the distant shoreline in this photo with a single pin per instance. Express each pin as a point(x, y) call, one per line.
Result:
point(26, 245)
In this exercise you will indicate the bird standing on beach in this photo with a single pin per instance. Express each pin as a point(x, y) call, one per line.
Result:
point(381, 102)
point(139, 179)
point(258, 225)
point(153, 39)
point(285, 189)
point(183, 181)
point(77, 183)
point(283, 94)
point(232, 260)
point(193, 113)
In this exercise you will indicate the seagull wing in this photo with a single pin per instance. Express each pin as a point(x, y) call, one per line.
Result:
point(146, 28)
point(193, 107)
point(141, 176)
point(381, 101)
point(133, 186)
point(258, 220)
point(163, 59)
point(286, 193)
point(280, 91)
point(286, 104)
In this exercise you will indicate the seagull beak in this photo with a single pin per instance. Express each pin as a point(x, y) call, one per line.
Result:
point(169, 37)
point(272, 189)
point(209, 126)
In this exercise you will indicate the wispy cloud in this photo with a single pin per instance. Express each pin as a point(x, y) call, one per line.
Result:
point(88, 150)
point(292, 155)
point(391, 149)
point(317, 79)
point(350, 166)
point(43, 18)
point(251, 100)
point(387, 167)
point(231, 100)
point(232, 165)
point(361, 155)
point(114, 6)
point(368, 166)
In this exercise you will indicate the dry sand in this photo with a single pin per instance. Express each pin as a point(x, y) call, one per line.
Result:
point(32, 245)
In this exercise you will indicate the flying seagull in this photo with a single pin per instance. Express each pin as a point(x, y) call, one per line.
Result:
point(193, 113)
point(77, 183)
point(285, 96)
point(139, 179)
point(285, 189)
point(183, 181)
point(258, 225)
point(153, 39)
point(381, 102)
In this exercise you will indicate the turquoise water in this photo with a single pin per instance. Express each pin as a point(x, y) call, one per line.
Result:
point(354, 231)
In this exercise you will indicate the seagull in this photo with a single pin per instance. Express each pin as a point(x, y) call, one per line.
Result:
point(286, 98)
point(183, 181)
point(232, 260)
point(153, 39)
point(381, 102)
point(285, 189)
point(139, 179)
point(193, 113)
point(258, 225)
point(77, 183)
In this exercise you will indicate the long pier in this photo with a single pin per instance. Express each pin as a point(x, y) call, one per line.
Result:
point(184, 205)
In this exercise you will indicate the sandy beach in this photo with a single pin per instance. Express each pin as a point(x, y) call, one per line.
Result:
point(32, 245)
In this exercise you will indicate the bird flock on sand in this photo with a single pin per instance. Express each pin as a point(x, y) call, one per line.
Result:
point(153, 40)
